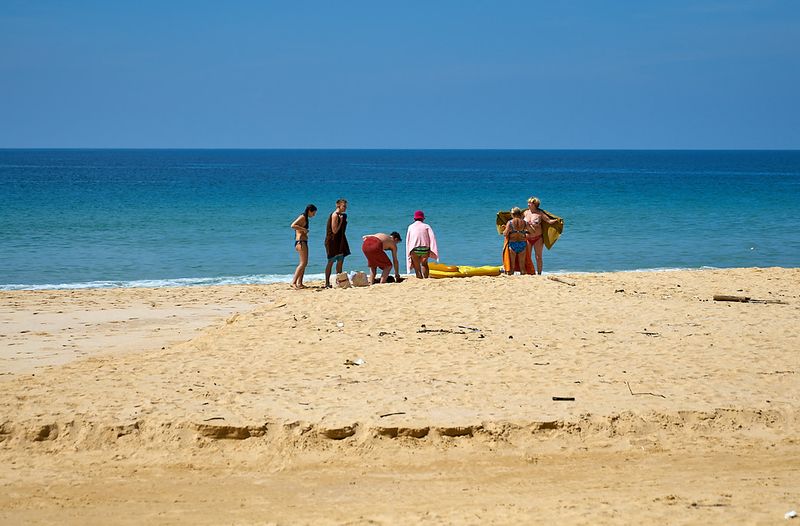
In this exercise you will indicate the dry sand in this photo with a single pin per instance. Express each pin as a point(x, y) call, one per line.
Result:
point(685, 409)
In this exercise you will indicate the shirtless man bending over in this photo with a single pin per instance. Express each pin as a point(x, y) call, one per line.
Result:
point(374, 248)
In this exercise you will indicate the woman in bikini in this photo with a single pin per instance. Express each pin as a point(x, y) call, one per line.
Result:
point(534, 217)
point(517, 231)
point(300, 227)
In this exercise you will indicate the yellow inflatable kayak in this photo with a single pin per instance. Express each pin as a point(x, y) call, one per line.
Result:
point(438, 270)
point(441, 267)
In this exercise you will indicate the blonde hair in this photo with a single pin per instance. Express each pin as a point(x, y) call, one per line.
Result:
point(534, 200)
point(516, 212)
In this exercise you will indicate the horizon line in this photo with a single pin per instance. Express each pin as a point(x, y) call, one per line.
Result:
point(163, 148)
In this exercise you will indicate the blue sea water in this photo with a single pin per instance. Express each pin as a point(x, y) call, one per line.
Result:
point(94, 218)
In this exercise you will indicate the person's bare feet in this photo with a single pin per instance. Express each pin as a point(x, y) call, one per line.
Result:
point(298, 287)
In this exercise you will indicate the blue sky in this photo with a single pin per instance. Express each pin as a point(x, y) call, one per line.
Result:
point(414, 74)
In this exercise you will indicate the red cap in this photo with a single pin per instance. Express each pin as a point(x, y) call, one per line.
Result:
point(419, 215)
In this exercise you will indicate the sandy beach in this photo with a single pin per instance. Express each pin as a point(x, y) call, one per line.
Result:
point(603, 398)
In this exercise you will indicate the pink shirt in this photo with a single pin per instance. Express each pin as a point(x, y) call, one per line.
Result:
point(420, 234)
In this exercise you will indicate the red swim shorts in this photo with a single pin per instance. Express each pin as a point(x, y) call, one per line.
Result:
point(373, 250)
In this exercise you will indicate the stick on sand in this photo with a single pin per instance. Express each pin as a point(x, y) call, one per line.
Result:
point(565, 282)
point(746, 299)
point(634, 394)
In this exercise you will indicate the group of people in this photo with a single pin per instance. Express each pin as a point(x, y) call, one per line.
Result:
point(420, 246)
point(523, 234)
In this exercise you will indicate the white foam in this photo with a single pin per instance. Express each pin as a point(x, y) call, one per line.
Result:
point(259, 279)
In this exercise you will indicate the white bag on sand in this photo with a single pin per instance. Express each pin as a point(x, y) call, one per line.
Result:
point(340, 281)
point(359, 279)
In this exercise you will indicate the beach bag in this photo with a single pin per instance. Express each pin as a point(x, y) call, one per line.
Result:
point(359, 279)
point(340, 281)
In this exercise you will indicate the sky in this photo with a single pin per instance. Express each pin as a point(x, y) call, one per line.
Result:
point(638, 74)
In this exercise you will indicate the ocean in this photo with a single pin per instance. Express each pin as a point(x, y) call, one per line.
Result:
point(126, 218)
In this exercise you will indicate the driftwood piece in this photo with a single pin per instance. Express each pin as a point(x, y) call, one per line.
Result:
point(745, 299)
point(424, 329)
point(565, 282)
point(441, 331)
